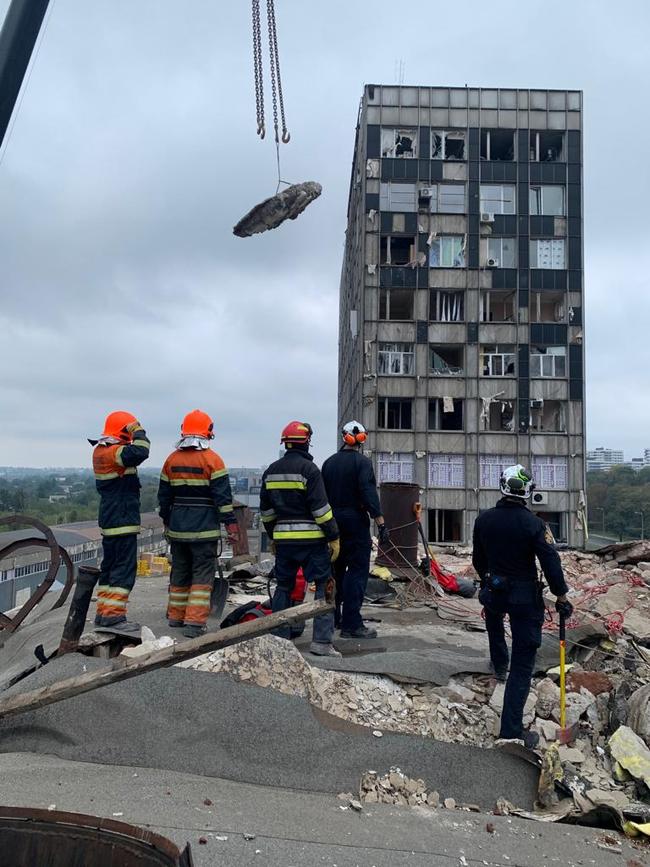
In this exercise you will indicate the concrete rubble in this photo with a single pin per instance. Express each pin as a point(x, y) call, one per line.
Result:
point(607, 688)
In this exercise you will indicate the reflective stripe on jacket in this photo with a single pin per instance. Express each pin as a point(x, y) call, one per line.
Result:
point(194, 495)
point(116, 479)
point(293, 504)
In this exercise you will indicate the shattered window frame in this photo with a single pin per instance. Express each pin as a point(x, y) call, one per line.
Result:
point(497, 297)
point(442, 522)
point(395, 467)
point(395, 359)
point(551, 257)
point(395, 409)
point(447, 251)
point(392, 297)
point(548, 362)
point(543, 146)
point(387, 249)
point(505, 416)
point(446, 305)
point(537, 200)
point(392, 142)
point(559, 413)
point(446, 470)
point(539, 298)
point(498, 360)
point(488, 148)
point(446, 145)
point(444, 368)
point(439, 420)
point(500, 201)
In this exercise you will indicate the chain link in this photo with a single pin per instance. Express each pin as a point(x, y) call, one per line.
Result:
point(257, 67)
point(276, 80)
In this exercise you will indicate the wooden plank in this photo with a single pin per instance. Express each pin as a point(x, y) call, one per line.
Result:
point(124, 670)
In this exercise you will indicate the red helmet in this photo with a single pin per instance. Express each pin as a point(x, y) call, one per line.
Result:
point(116, 424)
point(296, 432)
point(198, 424)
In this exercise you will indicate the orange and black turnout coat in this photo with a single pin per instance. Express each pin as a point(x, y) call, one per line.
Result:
point(194, 495)
point(116, 479)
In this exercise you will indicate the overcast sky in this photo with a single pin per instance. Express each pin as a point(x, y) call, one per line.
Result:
point(134, 152)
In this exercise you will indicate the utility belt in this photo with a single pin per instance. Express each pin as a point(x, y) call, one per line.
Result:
point(500, 589)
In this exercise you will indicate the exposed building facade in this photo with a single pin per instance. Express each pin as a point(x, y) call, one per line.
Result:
point(604, 459)
point(461, 310)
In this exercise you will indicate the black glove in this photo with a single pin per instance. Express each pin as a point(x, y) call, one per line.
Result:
point(382, 534)
point(564, 608)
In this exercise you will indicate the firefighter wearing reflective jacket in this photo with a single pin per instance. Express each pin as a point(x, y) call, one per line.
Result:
point(299, 520)
point(507, 539)
point(194, 499)
point(122, 446)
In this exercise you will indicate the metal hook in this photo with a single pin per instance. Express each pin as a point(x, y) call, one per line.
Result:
point(286, 136)
point(261, 129)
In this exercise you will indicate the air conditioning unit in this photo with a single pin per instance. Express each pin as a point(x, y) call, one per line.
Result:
point(536, 404)
point(426, 193)
point(539, 498)
point(493, 263)
point(487, 218)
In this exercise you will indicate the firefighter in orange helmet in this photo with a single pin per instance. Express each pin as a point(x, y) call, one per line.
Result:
point(195, 498)
point(122, 446)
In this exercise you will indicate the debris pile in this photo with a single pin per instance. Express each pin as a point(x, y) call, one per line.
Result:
point(396, 788)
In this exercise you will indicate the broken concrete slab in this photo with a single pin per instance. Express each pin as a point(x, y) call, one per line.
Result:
point(197, 722)
point(434, 665)
point(638, 712)
point(631, 753)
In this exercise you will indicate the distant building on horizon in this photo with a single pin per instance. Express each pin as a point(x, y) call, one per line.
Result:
point(602, 459)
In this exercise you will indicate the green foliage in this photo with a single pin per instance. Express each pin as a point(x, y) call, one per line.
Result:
point(617, 499)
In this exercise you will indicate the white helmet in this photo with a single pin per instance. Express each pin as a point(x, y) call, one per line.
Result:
point(516, 481)
point(354, 433)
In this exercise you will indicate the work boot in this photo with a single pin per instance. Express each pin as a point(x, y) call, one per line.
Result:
point(194, 631)
point(501, 674)
point(121, 625)
point(320, 649)
point(175, 624)
point(361, 632)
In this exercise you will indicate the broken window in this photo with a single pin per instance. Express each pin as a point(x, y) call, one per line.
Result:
point(395, 466)
point(491, 467)
point(498, 415)
point(547, 253)
point(396, 249)
point(497, 306)
point(446, 360)
point(447, 251)
point(446, 306)
point(445, 198)
point(396, 304)
point(445, 413)
point(550, 472)
point(547, 306)
point(499, 252)
point(547, 201)
point(547, 416)
point(446, 525)
point(395, 413)
point(548, 361)
point(447, 144)
point(497, 360)
point(546, 146)
point(399, 143)
point(498, 144)
point(398, 197)
point(498, 199)
point(395, 359)
point(446, 471)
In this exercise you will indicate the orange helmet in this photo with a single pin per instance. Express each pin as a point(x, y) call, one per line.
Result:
point(296, 432)
point(198, 424)
point(116, 423)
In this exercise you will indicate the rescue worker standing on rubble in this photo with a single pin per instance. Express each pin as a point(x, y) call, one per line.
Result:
point(352, 490)
point(507, 539)
point(195, 498)
point(300, 523)
point(122, 446)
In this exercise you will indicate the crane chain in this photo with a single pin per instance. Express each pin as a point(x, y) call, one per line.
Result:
point(276, 80)
point(258, 71)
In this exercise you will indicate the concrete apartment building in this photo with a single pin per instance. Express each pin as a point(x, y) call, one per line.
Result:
point(604, 459)
point(461, 308)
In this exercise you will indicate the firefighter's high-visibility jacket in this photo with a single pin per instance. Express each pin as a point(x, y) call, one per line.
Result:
point(293, 502)
point(194, 495)
point(116, 479)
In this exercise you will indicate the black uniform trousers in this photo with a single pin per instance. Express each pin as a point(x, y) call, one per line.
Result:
point(525, 609)
point(352, 567)
point(116, 577)
point(317, 568)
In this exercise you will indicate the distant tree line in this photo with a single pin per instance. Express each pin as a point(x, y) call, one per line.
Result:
point(619, 502)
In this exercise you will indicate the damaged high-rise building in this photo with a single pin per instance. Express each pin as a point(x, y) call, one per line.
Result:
point(461, 316)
